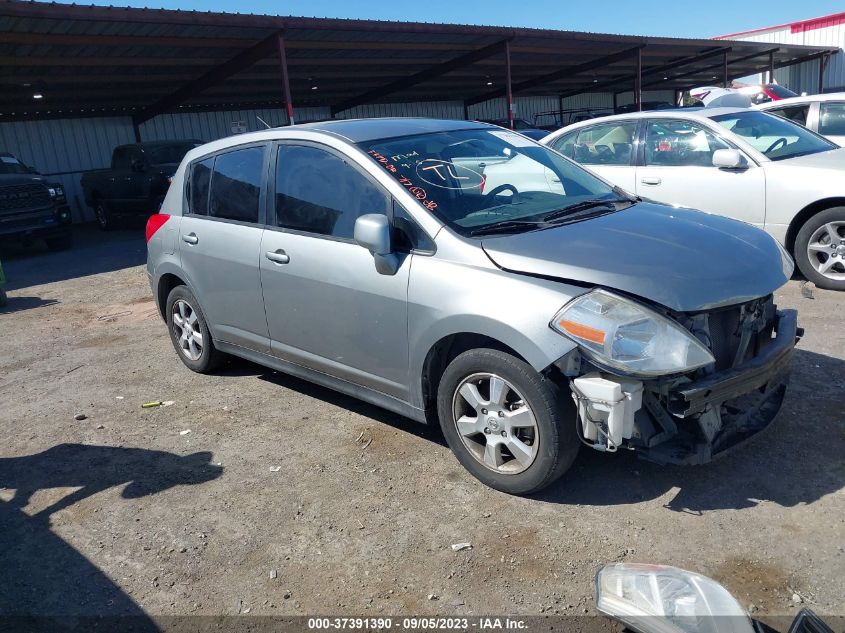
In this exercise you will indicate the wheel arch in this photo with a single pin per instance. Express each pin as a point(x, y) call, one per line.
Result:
point(805, 214)
point(166, 283)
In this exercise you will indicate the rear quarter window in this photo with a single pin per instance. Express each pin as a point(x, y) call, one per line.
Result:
point(198, 186)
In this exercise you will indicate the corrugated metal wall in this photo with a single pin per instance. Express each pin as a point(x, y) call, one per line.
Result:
point(63, 149)
point(805, 77)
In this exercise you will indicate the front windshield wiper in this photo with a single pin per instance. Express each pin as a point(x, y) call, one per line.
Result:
point(585, 205)
point(508, 226)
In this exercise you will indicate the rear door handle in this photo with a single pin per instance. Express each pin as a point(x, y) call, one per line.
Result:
point(277, 256)
point(190, 238)
point(650, 180)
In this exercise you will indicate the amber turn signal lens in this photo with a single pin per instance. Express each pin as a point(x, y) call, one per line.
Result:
point(583, 331)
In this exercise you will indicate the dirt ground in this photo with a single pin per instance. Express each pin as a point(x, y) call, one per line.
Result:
point(187, 509)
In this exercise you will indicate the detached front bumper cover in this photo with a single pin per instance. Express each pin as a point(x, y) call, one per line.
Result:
point(771, 363)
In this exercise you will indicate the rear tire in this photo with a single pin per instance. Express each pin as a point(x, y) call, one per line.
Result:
point(189, 332)
point(60, 243)
point(815, 254)
point(519, 437)
point(103, 215)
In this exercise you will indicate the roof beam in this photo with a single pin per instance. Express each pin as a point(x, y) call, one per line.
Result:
point(720, 64)
point(239, 62)
point(557, 74)
point(430, 73)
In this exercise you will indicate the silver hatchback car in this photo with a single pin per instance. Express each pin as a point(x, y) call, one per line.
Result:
point(462, 274)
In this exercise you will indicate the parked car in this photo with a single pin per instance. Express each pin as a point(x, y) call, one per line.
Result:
point(766, 93)
point(646, 106)
point(522, 126)
point(823, 114)
point(136, 182)
point(367, 256)
point(741, 163)
point(30, 207)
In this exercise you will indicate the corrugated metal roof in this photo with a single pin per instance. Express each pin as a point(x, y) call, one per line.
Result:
point(88, 60)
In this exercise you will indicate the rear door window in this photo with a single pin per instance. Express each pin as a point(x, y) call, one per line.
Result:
point(832, 118)
point(797, 113)
point(606, 144)
point(236, 185)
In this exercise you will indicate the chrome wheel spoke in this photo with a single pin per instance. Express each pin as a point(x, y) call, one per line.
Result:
point(521, 418)
point(469, 392)
point(192, 318)
point(826, 265)
point(179, 321)
point(469, 426)
point(520, 450)
point(832, 229)
point(197, 337)
point(493, 455)
point(819, 247)
point(498, 391)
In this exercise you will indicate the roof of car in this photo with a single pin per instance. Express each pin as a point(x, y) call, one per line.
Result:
point(361, 130)
point(828, 96)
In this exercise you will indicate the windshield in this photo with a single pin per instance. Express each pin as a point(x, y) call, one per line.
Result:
point(11, 165)
point(474, 179)
point(164, 154)
point(775, 137)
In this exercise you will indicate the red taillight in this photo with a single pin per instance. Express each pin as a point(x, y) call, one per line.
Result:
point(154, 223)
point(483, 182)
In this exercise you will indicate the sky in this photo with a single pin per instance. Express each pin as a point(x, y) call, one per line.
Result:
point(673, 18)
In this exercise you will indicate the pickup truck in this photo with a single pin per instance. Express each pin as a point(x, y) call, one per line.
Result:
point(136, 182)
point(30, 207)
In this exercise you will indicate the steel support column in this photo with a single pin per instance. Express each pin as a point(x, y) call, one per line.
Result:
point(283, 62)
point(822, 65)
point(771, 67)
point(725, 79)
point(508, 85)
point(638, 81)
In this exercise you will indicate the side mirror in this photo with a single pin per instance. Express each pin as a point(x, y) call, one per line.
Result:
point(728, 159)
point(372, 231)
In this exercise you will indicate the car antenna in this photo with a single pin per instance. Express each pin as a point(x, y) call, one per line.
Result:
point(267, 125)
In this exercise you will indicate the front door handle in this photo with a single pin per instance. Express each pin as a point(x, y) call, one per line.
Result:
point(650, 180)
point(190, 238)
point(277, 256)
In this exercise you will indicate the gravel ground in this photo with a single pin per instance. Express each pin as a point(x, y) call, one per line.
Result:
point(187, 509)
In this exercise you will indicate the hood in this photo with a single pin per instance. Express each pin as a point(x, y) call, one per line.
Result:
point(684, 260)
point(18, 179)
point(833, 159)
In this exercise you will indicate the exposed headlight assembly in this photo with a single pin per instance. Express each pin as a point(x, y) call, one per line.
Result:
point(621, 334)
point(661, 599)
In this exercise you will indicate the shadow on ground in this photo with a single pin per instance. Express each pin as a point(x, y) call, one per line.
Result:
point(93, 252)
point(43, 577)
point(798, 459)
point(19, 304)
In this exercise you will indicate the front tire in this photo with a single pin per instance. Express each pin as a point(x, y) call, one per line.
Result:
point(820, 249)
point(189, 332)
point(508, 425)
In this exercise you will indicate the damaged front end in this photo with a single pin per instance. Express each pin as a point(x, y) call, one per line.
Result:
point(698, 415)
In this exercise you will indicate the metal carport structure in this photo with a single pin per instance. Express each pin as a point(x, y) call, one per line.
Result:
point(59, 61)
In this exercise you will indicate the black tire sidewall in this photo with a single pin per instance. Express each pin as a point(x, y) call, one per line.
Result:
point(103, 216)
point(834, 214)
point(554, 415)
point(208, 359)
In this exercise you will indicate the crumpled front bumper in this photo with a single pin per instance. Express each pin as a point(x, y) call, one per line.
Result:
point(717, 413)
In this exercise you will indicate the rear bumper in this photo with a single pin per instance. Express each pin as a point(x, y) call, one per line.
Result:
point(713, 416)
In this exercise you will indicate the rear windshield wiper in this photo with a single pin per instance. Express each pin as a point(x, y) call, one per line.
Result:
point(508, 226)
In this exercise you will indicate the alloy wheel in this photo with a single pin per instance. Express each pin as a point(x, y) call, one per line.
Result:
point(495, 423)
point(186, 329)
point(826, 250)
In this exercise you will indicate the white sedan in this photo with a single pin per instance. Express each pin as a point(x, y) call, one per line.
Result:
point(823, 113)
point(740, 163)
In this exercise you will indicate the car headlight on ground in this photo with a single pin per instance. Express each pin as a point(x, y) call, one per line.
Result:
point(661, 599)
point(624, 335)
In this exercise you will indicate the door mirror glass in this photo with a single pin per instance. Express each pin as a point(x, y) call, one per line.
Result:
point(372, 231)
point(728, 159)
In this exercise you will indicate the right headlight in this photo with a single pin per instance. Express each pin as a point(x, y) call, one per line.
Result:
point(624, 335)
